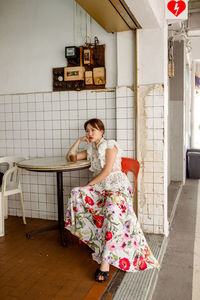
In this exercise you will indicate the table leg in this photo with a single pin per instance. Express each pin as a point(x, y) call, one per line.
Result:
point(60, 224)
point(60, 207)
point(28, 234)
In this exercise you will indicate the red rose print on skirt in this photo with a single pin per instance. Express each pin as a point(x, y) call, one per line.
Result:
point(67, 222)
point(108, 236)
point(104, 220)
point(142, 263)
point(89, 200)
point(124, 264)
point(98, 221)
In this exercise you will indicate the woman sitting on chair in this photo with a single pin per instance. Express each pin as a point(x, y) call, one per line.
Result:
point(101, 213)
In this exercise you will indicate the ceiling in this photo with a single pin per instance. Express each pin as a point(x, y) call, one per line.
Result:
point(194, 18)
point(193, 6)
point(115, 15)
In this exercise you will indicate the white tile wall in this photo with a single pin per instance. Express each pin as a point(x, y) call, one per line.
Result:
point(151, 154)
point(126, 115)
point(46, 124)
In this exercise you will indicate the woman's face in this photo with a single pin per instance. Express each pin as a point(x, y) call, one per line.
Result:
point(93, 134)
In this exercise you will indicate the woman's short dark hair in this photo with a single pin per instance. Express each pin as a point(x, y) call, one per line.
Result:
point(95, 123)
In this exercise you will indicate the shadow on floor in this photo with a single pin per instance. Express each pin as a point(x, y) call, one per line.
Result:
point(174, 189)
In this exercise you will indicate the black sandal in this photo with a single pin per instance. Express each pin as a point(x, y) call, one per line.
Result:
point(91, 250)
point(99, 273)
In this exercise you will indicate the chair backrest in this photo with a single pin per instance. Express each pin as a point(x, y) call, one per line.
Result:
point(10, 183)
point(10, 179)
point(11, 160)
point(131, 165)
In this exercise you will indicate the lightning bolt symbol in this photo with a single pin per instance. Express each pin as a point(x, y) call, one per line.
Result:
point(176, 8)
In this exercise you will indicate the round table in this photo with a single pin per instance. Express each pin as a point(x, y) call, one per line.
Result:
point(58, 165)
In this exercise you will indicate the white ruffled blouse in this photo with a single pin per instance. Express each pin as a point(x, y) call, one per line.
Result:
point(96, 155)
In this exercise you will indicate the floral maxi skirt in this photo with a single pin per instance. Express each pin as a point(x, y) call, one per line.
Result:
point(102, 216)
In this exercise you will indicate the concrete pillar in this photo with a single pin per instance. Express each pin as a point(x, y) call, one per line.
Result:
point(125, 95)
point(177, 115)
point(152, 131)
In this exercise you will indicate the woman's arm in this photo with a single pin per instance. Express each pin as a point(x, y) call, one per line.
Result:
point(110, 159)
point(74, 147)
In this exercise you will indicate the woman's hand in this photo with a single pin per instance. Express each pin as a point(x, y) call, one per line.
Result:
point(84, 139)
point(74, 147)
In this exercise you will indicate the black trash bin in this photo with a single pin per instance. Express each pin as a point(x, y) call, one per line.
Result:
point(193, 163)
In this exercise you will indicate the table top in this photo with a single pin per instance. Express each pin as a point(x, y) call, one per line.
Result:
point(52, 164)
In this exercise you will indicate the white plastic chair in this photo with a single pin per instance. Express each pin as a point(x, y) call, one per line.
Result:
point(10, 186)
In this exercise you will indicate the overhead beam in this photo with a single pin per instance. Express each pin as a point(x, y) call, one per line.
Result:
point(112, 15)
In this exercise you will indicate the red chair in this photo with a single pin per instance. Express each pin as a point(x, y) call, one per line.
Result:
point(131, 165)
